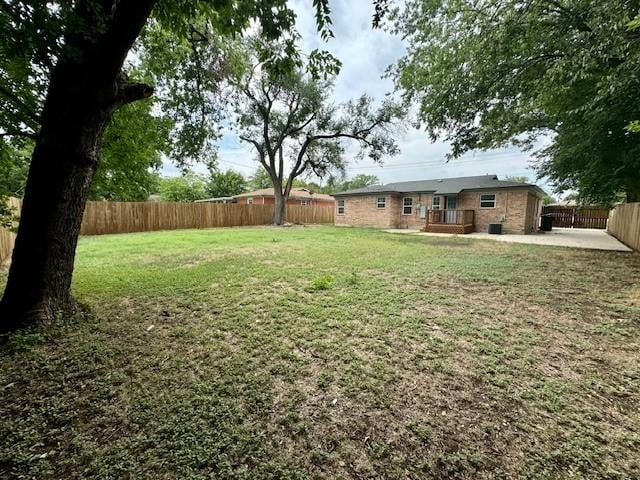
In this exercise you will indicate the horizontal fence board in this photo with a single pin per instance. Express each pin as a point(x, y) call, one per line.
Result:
point(101, 218)
point(577, 217)
point(624, 224)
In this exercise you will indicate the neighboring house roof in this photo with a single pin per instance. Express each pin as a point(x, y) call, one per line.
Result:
point(296, 193)
point(441, 186)
point(214, 199)
point(563, 203)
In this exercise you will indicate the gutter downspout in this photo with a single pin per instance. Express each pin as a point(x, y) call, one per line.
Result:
point(506, 208)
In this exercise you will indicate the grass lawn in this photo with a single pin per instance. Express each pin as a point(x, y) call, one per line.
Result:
point(324, 352)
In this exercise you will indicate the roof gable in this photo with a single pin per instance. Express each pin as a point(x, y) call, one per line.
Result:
point(440, 186)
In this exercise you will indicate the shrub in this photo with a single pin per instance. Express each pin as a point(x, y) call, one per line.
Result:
point(322, 282)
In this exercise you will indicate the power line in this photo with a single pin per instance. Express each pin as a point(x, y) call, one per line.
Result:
point(430, 163)
point(440, 163)
point(237, 163)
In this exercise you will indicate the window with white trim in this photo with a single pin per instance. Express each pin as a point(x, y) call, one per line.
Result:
point(250, 201)
point(341, 207)
point(407, 206)
point(304, 203)
point(435, 203)
point(488, 200)
point(381, 202)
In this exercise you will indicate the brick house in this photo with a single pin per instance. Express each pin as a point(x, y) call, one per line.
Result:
point(448, 205)
point(298, 196)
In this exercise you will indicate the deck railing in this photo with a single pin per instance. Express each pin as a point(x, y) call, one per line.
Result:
point(450, 217)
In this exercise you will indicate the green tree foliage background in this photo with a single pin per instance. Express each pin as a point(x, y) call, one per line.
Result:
point(485, 74)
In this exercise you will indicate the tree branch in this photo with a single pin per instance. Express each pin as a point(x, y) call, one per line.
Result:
point(129, 92)
point(129, 18)
point(252, 141)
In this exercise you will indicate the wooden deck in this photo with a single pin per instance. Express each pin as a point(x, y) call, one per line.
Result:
point(449, 221)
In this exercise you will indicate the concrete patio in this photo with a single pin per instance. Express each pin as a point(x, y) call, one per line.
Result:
point(559, 237)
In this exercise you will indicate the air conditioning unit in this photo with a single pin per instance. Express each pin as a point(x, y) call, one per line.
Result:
point(495, 228)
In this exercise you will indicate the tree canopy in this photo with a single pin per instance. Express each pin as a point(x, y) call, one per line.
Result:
point(131, 155)
point(485, 74)
point(187, 187)
point(260, 179)
point(517, 179)
point(226, 184)
point(295, 130)
point(359, 181)
point(132, 152)
point(167, 54)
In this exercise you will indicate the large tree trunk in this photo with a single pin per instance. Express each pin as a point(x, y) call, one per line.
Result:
point(62, 167)
point(86, 86)
point(279, 207)
point(633, 194)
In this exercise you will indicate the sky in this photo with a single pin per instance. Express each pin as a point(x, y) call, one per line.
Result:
point(365, 55)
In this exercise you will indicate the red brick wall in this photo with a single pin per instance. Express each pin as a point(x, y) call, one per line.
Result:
point(517, 210)
point(256, 201)
point(362, 210)
point(413, 221)
point(510, 210)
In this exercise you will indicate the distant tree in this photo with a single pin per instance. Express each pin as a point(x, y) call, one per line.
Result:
point(14, 167)
point(226, 184)
point(296, 131)
point(335, 183)
point(131, 154)
point(548, 200)
point(260, 179)
point(339, 183)
point(486, 74)
point(517, 179)
point(188, 187)
point(361, 180)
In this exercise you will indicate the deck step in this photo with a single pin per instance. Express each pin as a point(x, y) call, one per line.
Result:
point(442, 228)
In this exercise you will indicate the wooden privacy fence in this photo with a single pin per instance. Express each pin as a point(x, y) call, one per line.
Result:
point(6, 245)
point(7, 238)
point(577, 217)
point(125, 217)
point(624, 224)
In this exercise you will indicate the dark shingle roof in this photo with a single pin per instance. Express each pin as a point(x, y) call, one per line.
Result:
point(441, 186)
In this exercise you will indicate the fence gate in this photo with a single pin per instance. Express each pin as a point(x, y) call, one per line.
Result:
point(577, 217)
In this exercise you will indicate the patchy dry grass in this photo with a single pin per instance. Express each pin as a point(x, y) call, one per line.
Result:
point(330, 353)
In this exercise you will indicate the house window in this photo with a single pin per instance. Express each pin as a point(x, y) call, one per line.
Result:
point(340, 207)
point(304, 203)
point(250, 201)
point(435, 204)
point(488, 201)
point(407, 206)
point(381, 202)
